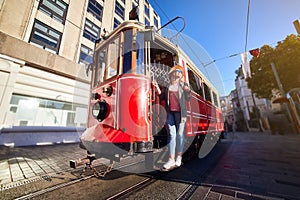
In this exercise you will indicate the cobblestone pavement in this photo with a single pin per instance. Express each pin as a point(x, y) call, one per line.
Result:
point(23, 164)
point(258, 166)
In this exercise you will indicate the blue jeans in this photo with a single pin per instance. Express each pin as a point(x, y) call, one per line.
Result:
point(176, 131)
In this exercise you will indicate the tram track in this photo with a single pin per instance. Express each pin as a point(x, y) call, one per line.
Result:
point(136, 186)
point(132, 189)
point(69, 183)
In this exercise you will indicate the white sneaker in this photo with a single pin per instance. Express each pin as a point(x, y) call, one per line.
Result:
point(168, 165)
point(178, 161)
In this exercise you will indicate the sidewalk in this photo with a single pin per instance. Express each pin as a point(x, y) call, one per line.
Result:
point(20, 165)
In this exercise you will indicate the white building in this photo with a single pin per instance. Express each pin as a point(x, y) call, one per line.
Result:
point(45, 46)
point(247, 101)
point(229, 109)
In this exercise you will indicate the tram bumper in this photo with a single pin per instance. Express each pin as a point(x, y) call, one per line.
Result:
point(106, 142)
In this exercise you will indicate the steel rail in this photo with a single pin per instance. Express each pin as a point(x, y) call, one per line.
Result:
point(138, 186)
point(62, 185)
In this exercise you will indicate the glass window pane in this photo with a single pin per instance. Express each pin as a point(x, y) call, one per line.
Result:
point(45, 36)
point(91, 31)
point(54, 34)
point(57, 9)
point(62, 4)
point(53, 7)
point(119, 10)
point(41, 27)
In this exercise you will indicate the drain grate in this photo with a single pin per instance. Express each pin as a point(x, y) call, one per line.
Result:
point(19, 183)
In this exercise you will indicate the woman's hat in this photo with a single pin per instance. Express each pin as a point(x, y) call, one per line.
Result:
point(176, 67)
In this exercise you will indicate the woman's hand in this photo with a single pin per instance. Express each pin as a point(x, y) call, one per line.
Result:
point(186, 87)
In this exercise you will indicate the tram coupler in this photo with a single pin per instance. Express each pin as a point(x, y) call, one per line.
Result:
point(83, 161)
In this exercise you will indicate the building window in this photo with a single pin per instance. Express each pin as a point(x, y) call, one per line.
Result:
point(45, 37)
point(147, 12)
point(57, 9)
point(91, 31)
point(123, 1)
point(35, 111)
point(86, 55)
point(147, 22)
point(155, 22)
point(119, 10)
point(137, 1)
point(116, 23)
point(95, 9)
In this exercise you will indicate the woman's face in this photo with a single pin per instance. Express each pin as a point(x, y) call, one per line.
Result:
point(178, 73)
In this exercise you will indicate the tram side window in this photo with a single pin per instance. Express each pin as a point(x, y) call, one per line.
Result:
point(112, 59)
point(215, 97)
point(195, 83)
point(101, 65)
point(207, 92)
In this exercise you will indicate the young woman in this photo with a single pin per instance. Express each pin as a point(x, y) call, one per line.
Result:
point(175, 96)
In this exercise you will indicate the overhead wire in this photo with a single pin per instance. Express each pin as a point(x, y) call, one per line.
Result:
point(192, 50)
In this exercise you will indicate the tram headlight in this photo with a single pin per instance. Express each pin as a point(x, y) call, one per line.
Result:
point(100, 110)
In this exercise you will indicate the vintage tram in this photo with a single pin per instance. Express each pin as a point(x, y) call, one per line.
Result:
point(126, 115)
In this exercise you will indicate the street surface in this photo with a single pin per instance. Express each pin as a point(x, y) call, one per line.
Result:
point(248, 165)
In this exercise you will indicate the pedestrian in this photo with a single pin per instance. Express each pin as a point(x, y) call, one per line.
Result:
point(175, 96)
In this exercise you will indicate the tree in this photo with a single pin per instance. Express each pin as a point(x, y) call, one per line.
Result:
point(286, 57)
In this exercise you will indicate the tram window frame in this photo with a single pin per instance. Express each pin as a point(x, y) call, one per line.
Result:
point(107, 64)
point(99, 73)
point(207, 92)
point(140, 53)
point(195, 82)
point(215, 98)
point(127, 51)
point(113, 60)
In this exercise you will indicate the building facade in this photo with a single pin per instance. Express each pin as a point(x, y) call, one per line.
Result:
point(45, 47)
point(230, 108)
point(253, 109)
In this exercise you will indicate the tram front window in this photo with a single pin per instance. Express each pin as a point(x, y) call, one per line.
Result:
point(128, 45)
point(140, 67)
point(107, 61)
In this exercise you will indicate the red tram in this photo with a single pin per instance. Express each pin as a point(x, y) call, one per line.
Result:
point(125, 113)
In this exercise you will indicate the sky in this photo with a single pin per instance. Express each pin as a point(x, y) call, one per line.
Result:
point(219, 26)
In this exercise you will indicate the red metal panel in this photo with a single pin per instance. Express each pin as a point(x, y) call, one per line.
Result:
point(133, 107)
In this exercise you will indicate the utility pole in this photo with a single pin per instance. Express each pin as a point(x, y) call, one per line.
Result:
point(277, 79)
point(282, 93)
